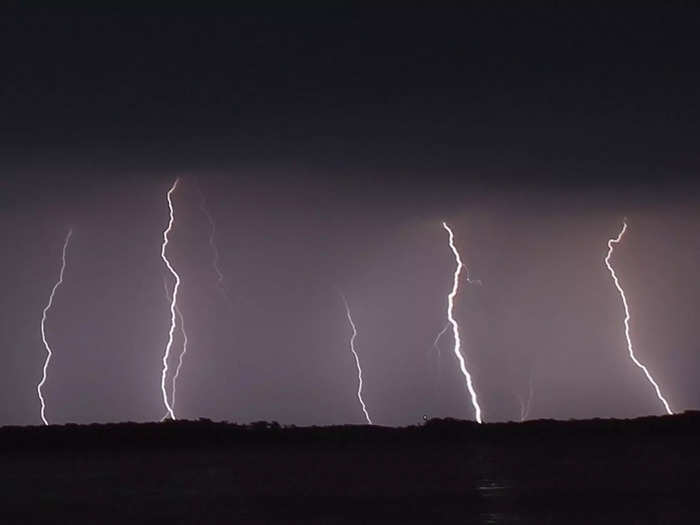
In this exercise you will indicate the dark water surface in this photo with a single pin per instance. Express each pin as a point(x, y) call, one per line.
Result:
point(644, 471)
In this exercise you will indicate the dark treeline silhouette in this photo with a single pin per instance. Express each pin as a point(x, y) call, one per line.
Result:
point(207, 433)
point(644, 470)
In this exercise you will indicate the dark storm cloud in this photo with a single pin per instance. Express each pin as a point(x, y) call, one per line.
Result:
point(330, 144)
point(386, 87)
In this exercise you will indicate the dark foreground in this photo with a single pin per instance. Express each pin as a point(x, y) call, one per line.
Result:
point(602, 471)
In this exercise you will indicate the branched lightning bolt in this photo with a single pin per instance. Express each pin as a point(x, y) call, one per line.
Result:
point(49, 353)
point(438, 336)
point(455, 326)
point(184, 346)
point(357, 359)
point(437, 348)
point(612, 241)
point(182, 354)
point(173, 303)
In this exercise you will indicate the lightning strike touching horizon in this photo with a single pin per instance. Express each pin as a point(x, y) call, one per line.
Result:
point(447, 325)
point(616, 240)
point(184, 348)
point(182, 355)
point(455, 326)
point(173, 302)
point(49, 352)
point(526, 406)
point(522, 408)
point(357, 359)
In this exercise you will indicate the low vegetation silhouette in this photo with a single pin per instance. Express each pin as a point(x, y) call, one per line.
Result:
point(643, 470)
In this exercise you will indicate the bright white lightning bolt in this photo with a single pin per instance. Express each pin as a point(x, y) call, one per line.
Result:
point(357, 359)
point(173, 302)
point(612, 241)
point(184, 347)
point(436, 347)
point(49, 353)
point(455, 326)
point(182, 354)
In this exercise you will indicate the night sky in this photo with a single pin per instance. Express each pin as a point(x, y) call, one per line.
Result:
point(329, 145)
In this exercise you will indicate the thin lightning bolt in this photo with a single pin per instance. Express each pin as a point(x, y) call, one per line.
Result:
point(184, 346)
point(437, 337)
point(526, 406)
point(214, 250)
point(49, 353)
point(455, 326)
point(523, 410)
point(612, 241)
point(436, 347)
point(530, 397)
point(173, 303)
point(357, 359)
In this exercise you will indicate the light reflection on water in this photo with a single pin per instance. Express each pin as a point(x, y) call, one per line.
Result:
point(488, 485)
point(494, 517)
point(491, 489)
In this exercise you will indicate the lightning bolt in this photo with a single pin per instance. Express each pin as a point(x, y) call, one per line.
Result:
point(436, 348)
point(49, 352)
point(455, 326)
point(214, 250)
point(523, 411)
point(357, 359)
point(438, 336)
point(182, 354)
point(616, 240)
point(184, 347)
point(525, 406)
point(173, 302)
